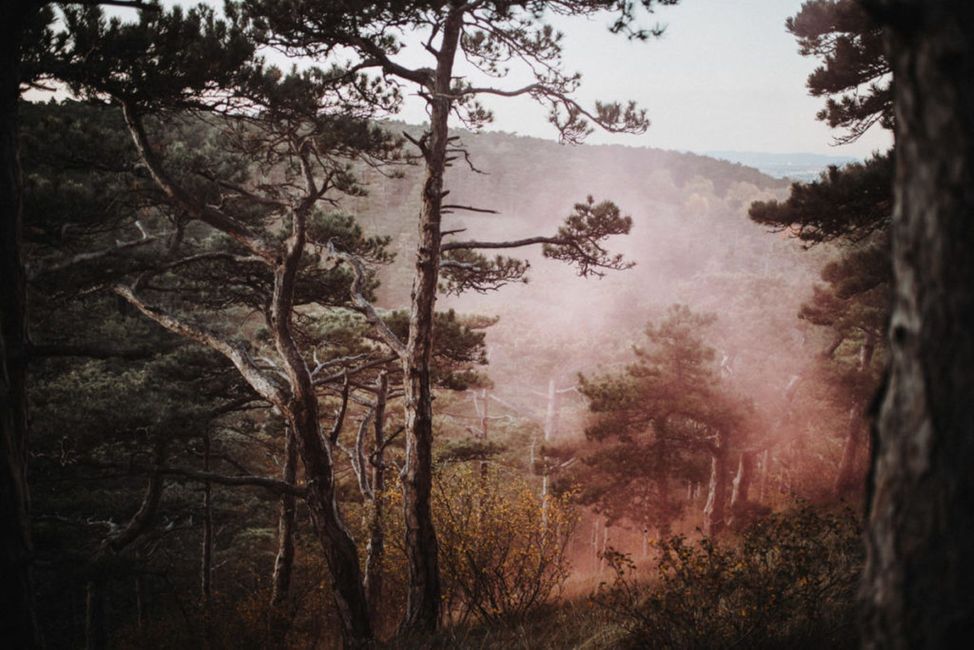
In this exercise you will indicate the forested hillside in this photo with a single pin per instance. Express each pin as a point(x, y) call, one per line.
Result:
point(280, 370)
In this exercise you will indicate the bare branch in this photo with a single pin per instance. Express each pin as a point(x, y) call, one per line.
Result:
point(265, 386)
point(336, 428)
point(360, 301)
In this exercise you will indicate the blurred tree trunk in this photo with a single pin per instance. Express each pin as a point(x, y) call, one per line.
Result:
point(919, 574)
point(284, 560)
point(846, 479)
point(663, 488)
point(741, 492)
point(18, 626)
point(713, 512)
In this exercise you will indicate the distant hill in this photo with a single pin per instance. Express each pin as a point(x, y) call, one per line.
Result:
point(692, 243)
point(795, 166)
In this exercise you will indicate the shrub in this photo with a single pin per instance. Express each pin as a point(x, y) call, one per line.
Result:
point(502, 548)
point(790, 581)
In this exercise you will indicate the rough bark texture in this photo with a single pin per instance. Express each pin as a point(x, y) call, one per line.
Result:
point(18, 626)
point(284, 560)
point(919, 574)
point(301, 412)
point(423, 593)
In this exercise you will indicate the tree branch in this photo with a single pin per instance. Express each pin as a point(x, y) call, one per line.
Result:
point(259, 381)
point(182, 199)
point(360, 301)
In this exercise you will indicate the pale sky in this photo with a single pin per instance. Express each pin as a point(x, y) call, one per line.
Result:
point(725, 76)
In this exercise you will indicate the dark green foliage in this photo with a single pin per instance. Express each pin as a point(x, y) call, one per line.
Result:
point(850, 203)
point(854, 75)
point(656, 423)
point(581, 238)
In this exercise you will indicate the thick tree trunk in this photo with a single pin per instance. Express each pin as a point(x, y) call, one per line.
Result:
point(18, 627)
point(920, 531)
point(713, 512)
point(423, 593)
point(284, 560)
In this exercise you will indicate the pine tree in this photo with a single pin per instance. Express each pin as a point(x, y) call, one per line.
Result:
point(492, 36)
point(669, 408)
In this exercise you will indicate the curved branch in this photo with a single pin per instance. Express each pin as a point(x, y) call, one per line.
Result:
point(182, 199)
point(360, 301)
point(265, 386)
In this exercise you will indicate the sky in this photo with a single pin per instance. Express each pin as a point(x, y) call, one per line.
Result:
point(724, 76)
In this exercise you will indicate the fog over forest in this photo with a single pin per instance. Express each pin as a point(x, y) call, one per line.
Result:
point(282, 367)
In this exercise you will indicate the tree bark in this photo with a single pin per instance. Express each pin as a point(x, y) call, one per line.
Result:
point(423, 592)
point(741, 489)
point(920, 529)
point(206, 559)
point(96, 629)
point(18, 625)
point(375, 550)
point(301, 413)
point(845, 479)
point(713, 512)
point(284, 560)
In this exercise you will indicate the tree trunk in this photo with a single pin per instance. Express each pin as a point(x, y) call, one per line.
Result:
point(920, 531)
point(662, 489)
point(206, 560)
point(96, 633)
point(423, 593)
point(301, 413)
point(713, 512)
point(376, 546)
point(845, 479)
point(284, 561)
point(741, 490)
point(551, 412)
point(18, 626)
